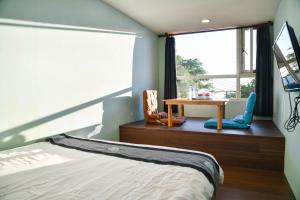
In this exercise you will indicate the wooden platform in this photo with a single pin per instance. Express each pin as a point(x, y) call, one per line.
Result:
point(252, 159)
point(261, 146)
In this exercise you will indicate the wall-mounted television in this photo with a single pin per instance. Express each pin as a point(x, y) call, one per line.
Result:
point(287, 53)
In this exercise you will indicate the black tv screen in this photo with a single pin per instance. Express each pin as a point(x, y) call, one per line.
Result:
point(286, 50)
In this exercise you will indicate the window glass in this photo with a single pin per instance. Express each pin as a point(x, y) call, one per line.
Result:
point(247, 86)
point(219, 88)
point(224, 88)
point(201, 85)
point(216, 51)
point(208, 62)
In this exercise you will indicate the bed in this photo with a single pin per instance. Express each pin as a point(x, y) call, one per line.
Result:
point(67, 167)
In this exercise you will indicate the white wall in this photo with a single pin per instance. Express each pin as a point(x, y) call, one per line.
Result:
point(69, 64)
point(288, 10)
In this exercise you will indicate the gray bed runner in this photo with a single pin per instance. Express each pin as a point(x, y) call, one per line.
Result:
point(195, 160)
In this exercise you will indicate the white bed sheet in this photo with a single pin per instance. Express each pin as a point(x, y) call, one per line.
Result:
point(46, 171)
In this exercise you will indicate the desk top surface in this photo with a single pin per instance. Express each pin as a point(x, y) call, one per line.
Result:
point(196, 101)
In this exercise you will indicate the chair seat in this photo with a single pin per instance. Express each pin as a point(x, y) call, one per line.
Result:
point(177, 121)
point(226, 123)
point(238, 122)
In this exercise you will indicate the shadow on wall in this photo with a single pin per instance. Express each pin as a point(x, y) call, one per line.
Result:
point(90, 15)
point(95, 14)
point(112, 107)
point(117, 111)
point(114, 111)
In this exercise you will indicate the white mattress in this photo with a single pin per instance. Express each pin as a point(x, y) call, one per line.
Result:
point(46, 171)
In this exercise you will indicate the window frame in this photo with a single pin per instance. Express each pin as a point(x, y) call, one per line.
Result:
point(241, 72)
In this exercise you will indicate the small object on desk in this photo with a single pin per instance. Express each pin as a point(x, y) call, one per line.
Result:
point(195, 93)
point(202, 98)
point(203, 95)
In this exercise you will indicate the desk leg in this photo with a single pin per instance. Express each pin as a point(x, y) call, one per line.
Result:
point(170, 123)
point(223, 111)
point(181, 110)
point(220, 116)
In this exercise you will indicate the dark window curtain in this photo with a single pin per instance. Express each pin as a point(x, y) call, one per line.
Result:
point(170, 72)
point(264, 73)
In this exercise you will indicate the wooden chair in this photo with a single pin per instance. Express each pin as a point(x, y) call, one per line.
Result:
point(151, 113)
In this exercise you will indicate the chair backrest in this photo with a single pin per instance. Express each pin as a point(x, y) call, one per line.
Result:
point(150, 103)
point(248, 114)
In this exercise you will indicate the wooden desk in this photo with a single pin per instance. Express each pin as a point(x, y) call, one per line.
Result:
point(220, 103)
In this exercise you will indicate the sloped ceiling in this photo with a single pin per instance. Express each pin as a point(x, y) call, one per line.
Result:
point(171, 16)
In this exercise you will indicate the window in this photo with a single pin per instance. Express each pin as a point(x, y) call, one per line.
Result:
point(222, 62)
point(249, 50)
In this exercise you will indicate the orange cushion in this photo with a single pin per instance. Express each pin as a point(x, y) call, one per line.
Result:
point(177, 121)
point(162, 115)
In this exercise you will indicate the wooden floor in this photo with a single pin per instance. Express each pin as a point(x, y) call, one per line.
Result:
point(252, 159)
point(253, 184)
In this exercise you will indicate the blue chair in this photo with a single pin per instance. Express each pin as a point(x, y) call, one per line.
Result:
point(238, 122)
